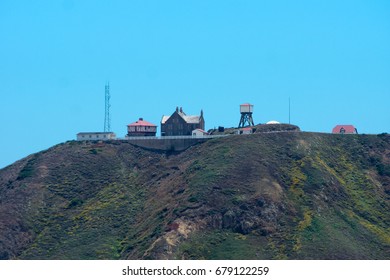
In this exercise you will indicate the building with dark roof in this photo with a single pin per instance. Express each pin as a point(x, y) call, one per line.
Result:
point(179, 123)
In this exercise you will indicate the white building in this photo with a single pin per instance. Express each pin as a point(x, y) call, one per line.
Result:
point(199, 133)
point(93, 136)
point(244, 131)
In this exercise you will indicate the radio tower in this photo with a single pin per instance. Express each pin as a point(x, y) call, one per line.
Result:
point(107, 119)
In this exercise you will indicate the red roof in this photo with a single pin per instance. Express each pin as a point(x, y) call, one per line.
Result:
point(201, 130)
point(344, 129)
point(246, 129)
point(141, 122)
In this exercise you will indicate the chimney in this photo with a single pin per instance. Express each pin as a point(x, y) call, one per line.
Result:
point(181, 109)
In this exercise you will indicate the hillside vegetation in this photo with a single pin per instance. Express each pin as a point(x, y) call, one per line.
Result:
point(285, 195)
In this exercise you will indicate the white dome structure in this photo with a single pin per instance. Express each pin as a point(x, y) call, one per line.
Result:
point(273, 122)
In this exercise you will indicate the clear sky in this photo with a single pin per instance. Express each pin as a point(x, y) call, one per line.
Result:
point(331, 57)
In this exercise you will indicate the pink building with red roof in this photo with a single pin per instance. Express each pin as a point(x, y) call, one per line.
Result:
point(344, 129)
point(141, 128)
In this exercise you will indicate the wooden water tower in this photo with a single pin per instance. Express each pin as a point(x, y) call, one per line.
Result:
point(246, 111)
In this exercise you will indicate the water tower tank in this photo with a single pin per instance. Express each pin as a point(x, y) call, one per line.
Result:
point(246, 111)
point(246, 108)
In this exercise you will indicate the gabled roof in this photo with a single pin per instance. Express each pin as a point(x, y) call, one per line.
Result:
point(141, 122)
point(191, 119)
point(347, 129)
point(164, 119)
point(187, 119)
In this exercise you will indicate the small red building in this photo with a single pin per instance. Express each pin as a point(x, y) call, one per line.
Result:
point(141, 128)
point(344, 129)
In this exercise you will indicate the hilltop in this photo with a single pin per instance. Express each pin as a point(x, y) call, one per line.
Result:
point(283, 195)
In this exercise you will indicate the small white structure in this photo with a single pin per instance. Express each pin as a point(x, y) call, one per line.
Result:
point(94, 136)
point(244, 131)
point(199, 133)
point(273, 122)
point(246, 108)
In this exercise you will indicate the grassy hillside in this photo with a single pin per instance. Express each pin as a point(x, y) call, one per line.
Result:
point(282, 195)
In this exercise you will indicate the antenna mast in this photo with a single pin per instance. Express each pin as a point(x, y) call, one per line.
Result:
point(107, 119)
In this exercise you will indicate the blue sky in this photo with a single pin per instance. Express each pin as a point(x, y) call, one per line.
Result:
point(330, 57)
